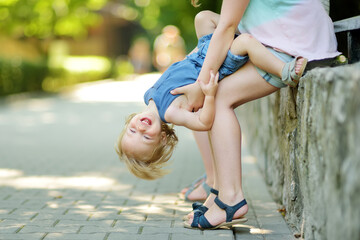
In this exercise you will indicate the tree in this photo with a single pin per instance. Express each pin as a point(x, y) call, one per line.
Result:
point(45, 19)
point(154, 15)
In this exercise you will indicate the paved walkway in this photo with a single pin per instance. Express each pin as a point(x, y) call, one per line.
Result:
point(60, 177)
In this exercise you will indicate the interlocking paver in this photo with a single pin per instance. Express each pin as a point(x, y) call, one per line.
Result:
point(19, 236)
point(61, 179)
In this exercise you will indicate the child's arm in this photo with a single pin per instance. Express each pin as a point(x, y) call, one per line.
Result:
point(203, 119)
point(195, 96)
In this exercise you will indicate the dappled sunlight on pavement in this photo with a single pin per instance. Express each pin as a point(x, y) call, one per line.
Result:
point(54, 182)
point(114, 91)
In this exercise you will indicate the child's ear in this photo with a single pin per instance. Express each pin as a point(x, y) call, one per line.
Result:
point(163, 138)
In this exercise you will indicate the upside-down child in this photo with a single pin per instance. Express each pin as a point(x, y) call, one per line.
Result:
point(147, 140)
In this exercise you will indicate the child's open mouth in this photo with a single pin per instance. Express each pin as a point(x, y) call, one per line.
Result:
point(146, 121)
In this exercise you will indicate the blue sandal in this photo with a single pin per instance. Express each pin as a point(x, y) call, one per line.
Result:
point(198, 206)
point(200, 219)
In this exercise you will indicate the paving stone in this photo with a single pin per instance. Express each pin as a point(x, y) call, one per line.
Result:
point(35, 229)
point(279, 236)
point(11, 229)
point(97, 229)
point(178, 236)
point(124, 236)
point(67, 236)
point(19, 236)
point(155, 236)
point(155, 230)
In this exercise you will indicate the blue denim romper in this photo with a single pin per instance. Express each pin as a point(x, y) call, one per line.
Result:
point(186, 72)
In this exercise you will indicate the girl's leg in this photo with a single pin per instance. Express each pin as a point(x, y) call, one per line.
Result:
point(206, 144)
point(202, 141)
point(243, 86)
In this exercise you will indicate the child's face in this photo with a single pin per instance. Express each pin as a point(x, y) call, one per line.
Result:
point(142, 135)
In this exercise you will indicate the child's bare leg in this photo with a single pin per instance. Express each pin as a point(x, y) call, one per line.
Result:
point(245, 44)
point(205, 23)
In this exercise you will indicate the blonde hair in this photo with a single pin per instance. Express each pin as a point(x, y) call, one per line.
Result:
point(195, 3)
point(149, 168)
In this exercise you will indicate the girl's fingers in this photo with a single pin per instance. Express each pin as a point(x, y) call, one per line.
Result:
point(179, 90)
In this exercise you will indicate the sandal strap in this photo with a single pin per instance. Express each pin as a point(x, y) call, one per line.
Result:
point(287, 75)
point(195, 185)
point(207, 188)
point(230, 210)
point(204, 223)
point(195, 222)
point(214, 191)
point(197, 206)
point(200, 206)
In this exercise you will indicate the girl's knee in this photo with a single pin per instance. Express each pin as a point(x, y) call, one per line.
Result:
point(222, 100)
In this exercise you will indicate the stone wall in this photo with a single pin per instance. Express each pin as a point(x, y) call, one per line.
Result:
point(307, 142)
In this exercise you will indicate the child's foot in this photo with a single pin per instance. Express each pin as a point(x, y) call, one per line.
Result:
point(299, 65)
point(194, 184)
point(293, 71)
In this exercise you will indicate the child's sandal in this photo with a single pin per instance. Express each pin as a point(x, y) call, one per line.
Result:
point(206, 187)
point(289, 75)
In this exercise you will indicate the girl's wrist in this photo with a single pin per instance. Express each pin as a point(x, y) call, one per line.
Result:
point(210, 96)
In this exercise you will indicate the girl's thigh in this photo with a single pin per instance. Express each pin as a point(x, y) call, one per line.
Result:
point(243, 86)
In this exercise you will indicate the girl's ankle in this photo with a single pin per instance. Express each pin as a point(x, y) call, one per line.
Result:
point(231, 198)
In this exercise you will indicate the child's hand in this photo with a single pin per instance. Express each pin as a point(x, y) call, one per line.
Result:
point(210, 88)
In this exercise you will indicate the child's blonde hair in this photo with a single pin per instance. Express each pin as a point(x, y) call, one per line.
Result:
point(195, 3)
point(145, 167)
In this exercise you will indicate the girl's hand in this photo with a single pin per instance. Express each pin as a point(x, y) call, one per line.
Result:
point(210, 88)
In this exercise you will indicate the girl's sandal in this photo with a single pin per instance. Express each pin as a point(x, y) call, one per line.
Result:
point(200, 219)
point(289, 75)
point(197, 206)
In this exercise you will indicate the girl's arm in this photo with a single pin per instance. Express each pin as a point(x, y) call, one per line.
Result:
point(223, 36)
point(230, 16)
point(203, 119)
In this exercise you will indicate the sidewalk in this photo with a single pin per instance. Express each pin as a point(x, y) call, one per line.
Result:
point(60, 177)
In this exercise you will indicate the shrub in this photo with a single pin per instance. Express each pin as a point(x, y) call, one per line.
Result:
point(18, 75)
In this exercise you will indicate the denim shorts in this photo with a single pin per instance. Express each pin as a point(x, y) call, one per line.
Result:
point(230, 65)
point(270, 78)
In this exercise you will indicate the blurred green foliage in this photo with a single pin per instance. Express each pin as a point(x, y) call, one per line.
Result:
point(18, 75)
point(154, 15)
point(43, 20)
point(48, 18)
point(77, 69)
